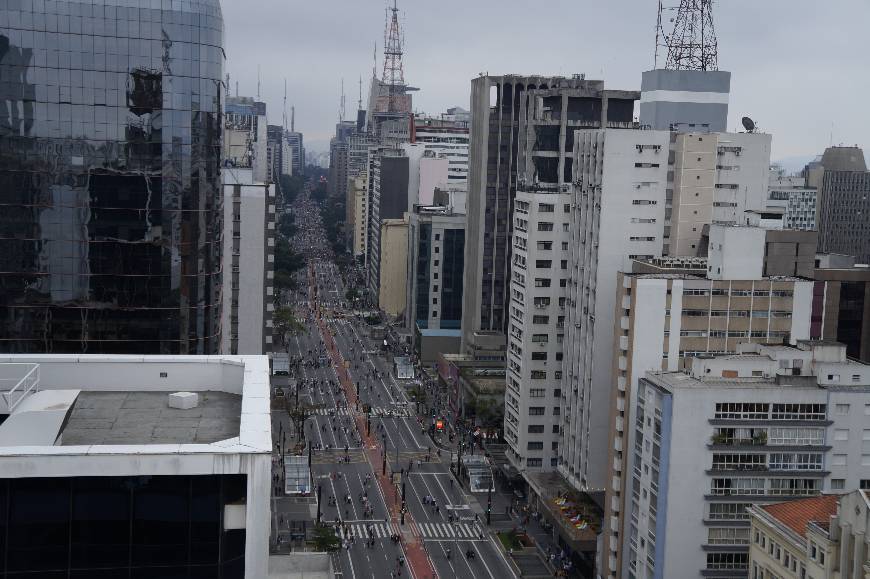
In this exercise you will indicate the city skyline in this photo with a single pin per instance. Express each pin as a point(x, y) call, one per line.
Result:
point(339, 43)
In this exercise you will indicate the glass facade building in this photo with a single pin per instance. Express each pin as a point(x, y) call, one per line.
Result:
point(144, 527)
point(110, 189)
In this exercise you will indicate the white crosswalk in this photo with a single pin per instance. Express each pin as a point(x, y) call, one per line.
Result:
point(331, 411)
point(461, 531)
point(361, 530)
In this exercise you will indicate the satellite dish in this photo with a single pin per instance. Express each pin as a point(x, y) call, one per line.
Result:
point(748, 124)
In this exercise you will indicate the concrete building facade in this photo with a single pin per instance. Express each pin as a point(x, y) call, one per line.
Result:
point(665, 320)
point(794, 197)
point(716, 178)
point(493, 172)
point(394, 266)
point(448, 137)
point(245, 136)
point(766, 424)
point(387, 199)
point(618, 214)
point(248, 264)
point(847, 304)
point(685, 100)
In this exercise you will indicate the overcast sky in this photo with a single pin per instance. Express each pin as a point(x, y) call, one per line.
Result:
point(800, 68)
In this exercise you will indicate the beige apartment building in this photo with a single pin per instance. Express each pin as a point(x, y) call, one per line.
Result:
point(394, 266)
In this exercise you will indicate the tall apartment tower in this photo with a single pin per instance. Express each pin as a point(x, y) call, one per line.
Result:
point(844, 204)
point(492, 184)
point(548, 122)
point(110, 177)
point(387, 199)
point(618, 213)
point(245, 137)
point(755, 287)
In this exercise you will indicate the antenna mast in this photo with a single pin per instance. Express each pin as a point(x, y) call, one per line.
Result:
point(284, 118)
point(394, 75)
point(692, 44)
point(341, 107)
point(258, 82)
point(292, 119)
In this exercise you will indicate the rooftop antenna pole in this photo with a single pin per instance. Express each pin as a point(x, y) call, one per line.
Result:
point(237, 89)
point(341, 107)
point(284, 118)
point(293, 119)
point(658, 32)
point(359, 102)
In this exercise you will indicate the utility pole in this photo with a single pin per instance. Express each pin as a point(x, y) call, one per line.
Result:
point(489, 501)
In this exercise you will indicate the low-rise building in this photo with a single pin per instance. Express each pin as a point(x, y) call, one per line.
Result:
point(766, 424)
point(135, 464)
point(821, 537)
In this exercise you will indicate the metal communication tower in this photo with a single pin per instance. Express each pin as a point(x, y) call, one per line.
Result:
point(394, 75)
point(692, 43)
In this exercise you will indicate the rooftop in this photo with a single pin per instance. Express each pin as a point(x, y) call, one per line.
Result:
point(146, 418)
point(98, 404)
point(797, 514)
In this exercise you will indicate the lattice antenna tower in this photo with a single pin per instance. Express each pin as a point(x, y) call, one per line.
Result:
point(692, 43)
point(394, 74)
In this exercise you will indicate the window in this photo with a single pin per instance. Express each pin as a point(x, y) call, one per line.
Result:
point(534, 462)
point(536, 410)
point(538, 375)
point(794, 486)
point(841, 434)
point(545, 245)
point(542, 282)
point(838, 484)
point(728, 511)
point(545, 226)
point(737, 486)
point(741, 411)
point(795, 461)
point(544, 263)
point(539, 356)
point(546, 207)
point(536, 428)
point(796, 436)
point(799, 412)
point(727, 561)
point(434, 313)
point(535, 446)
point(541, 338)
point(540, 319)
point(557, 411)
point(564, 246)
point(728, 536)
point(842, 409)
point(537, 393)
point(437, 237)
point(839, 460)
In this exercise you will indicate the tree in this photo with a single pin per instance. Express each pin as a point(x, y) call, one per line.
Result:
point(286, 323)
point(325, 539)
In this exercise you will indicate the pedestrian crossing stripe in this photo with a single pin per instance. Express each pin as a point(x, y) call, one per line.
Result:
point(360, 530)
point(326, 411)
point(461, 531)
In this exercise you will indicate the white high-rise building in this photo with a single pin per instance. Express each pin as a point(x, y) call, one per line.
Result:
point(447, 137)
point(539, 272)
point(763, 425)
point(618, 214)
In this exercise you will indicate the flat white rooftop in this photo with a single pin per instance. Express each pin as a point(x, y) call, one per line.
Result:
point(120, 405)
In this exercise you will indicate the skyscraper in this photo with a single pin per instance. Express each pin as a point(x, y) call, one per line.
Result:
point(110, 130)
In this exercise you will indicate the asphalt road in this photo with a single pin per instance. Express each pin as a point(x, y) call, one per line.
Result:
point(453, 523)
